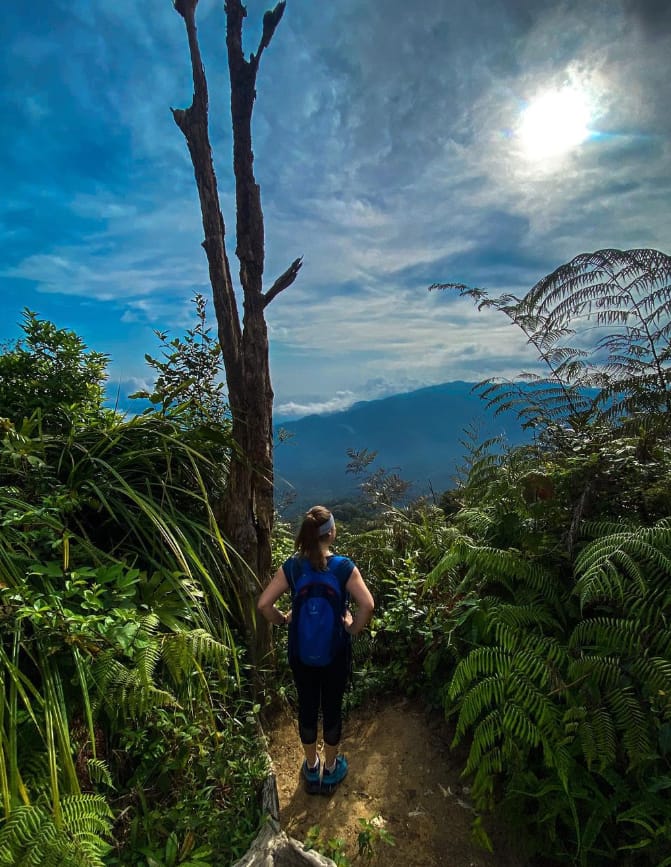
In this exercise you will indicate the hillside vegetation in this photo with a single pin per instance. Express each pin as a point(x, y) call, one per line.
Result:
point(125, 733)
point(532, 607)
point(417, 434)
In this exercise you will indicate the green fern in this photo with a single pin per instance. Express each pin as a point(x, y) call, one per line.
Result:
point(486, 565)
point(518, 725)
point(30, 836)
point(99, 772)
point(530, 615)
point(600, 672)
point(561, 633)
point(486, 661)
point(483, 694)
point(621, 635)
point(627, 293)
point(128, 690)
point(654, 674)
point(533, 693)
point(632, 723)
point(486, 735)
point(510, 693)
point(603, 733)
point(183, 649)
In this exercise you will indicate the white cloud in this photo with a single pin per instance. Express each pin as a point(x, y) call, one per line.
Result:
point(292, 409)
point(386, 156)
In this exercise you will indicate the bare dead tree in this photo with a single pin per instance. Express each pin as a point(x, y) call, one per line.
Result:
point(247, 509)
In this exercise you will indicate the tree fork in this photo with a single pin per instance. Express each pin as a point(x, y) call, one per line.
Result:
point(247, 511)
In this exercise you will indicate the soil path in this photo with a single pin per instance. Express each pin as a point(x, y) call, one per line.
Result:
point(402, 770)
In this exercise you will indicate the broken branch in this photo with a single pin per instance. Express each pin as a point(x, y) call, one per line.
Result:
point(283, 281)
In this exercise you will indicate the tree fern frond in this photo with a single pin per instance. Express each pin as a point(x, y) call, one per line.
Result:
point(99, 772)
point(29, 835)
point(35, 772)
point(481, 661)
point(623, 560)
point(486, 692)
point(604, 671)
point(652, 611)
point(500, 565)
point(475, 521)
point(632, 721)
point(128, 690)
point(150, 624)
point(520, 727)
point(86, 814)
point(485, 735)
point(602, 580)
point(446, 570)
point(519, 617)
point(19, 829)
point(136, 698)
point(532, 665)
point(654, 674)
point(533, 697)
point(618, 634)
point(570, 722)
point(180, 649)
point(507, 637)
point(146, 660)
point(597, 733)
point(488, 764)
point(585, 736)
point(598, 529)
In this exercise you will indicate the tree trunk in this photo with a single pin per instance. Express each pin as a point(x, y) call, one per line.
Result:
point(247, 511)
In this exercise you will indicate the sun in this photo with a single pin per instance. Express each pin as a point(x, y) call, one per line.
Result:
point(554, 123)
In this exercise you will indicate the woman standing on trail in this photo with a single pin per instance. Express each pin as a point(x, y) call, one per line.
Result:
point(320, 629)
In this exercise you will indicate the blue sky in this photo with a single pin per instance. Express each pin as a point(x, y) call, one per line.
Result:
point(390, 148)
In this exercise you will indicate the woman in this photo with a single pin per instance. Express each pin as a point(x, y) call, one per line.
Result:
point(319, 686)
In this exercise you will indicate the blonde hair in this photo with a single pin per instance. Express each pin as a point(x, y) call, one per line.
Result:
point(308, 540)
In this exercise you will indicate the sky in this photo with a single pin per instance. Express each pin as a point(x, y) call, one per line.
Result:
point(396, 144)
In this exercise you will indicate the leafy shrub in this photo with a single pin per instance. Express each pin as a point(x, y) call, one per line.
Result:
point(117, 604)
point(53, 371)
point(193, 786)
point(562, 689)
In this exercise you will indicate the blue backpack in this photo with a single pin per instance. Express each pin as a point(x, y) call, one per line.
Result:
point(319, 599)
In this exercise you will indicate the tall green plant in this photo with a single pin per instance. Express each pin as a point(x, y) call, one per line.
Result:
point(189, 374)
point(112, 569)
point(559, 631)
point(565, 699)
point(118, 606)
point(563, 651)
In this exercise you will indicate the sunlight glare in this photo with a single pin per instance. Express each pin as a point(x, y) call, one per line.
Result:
point(554, 123)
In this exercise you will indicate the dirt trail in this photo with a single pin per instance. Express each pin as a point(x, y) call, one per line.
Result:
point(401, 769)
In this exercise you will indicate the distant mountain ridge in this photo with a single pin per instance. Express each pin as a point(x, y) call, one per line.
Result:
point(416, 434)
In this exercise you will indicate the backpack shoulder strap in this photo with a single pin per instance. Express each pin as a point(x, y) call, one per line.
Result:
point(341, 567)
point(292, 572)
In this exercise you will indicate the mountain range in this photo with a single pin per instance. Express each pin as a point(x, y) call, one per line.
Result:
point(416, 434)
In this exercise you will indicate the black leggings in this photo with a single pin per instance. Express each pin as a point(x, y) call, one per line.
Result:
point(324, 687)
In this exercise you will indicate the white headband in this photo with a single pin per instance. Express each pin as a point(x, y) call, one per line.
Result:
point(327, 526)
